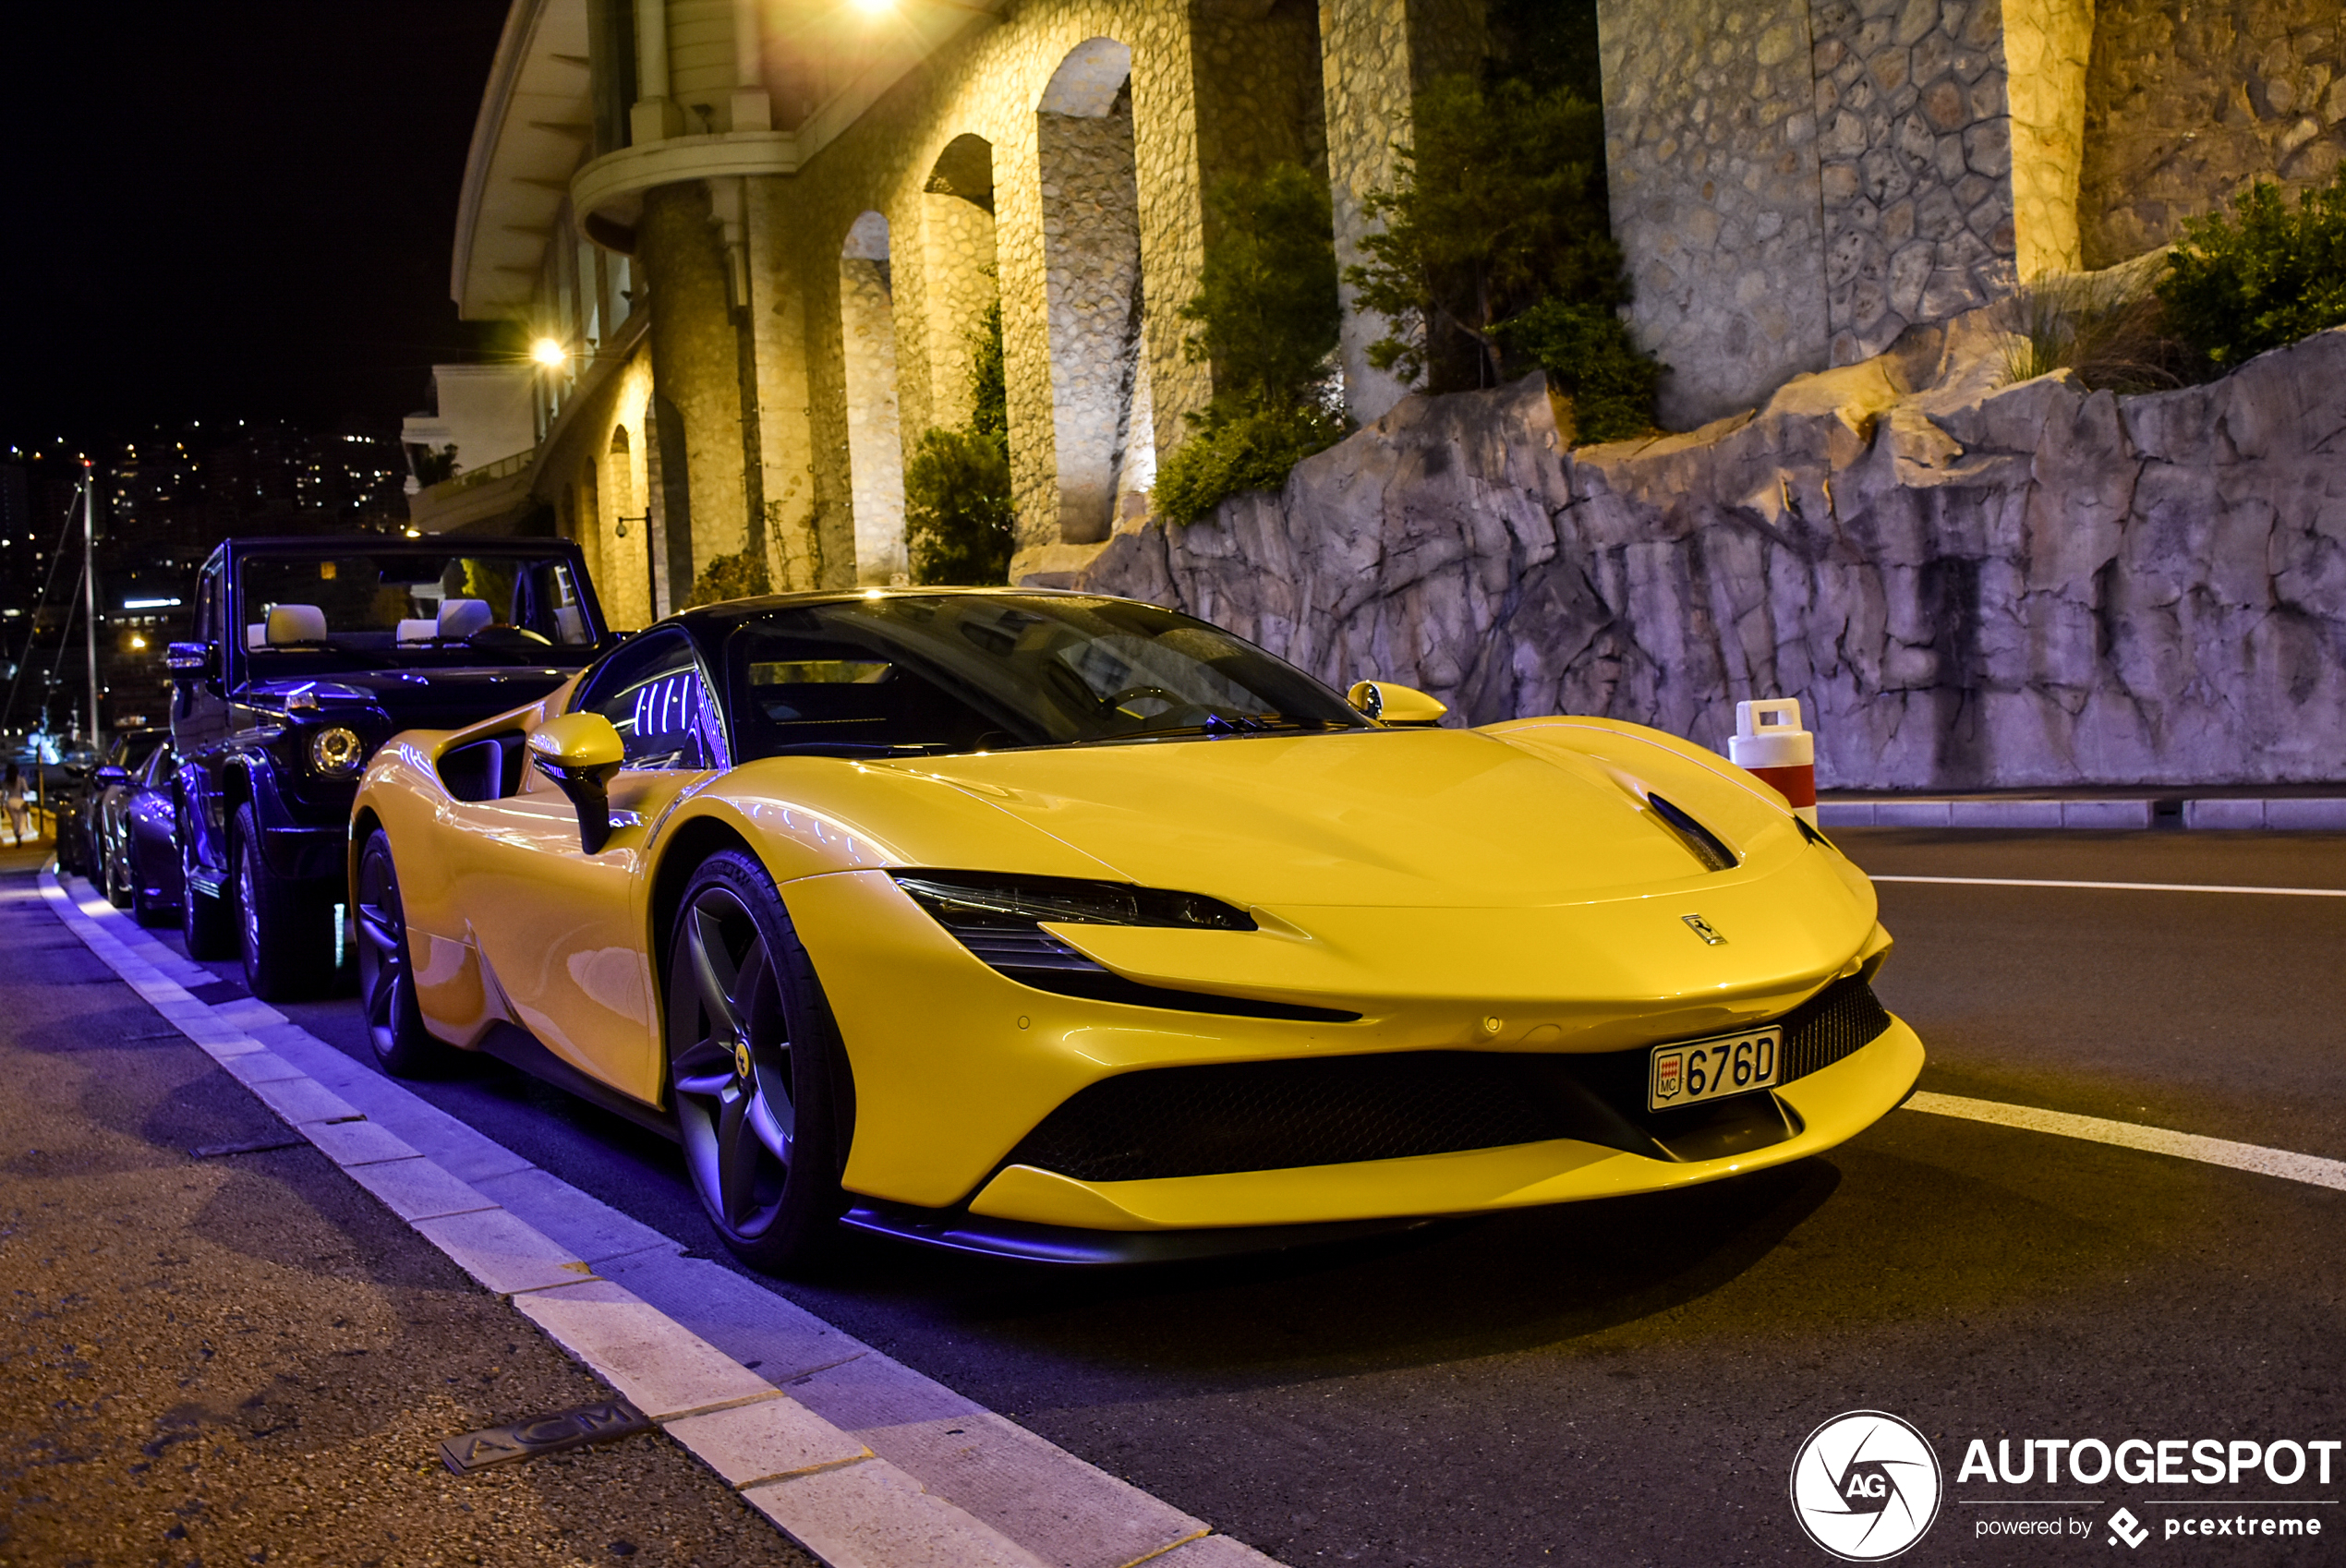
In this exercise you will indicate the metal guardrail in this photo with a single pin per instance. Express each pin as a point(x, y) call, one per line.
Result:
point(472, 477)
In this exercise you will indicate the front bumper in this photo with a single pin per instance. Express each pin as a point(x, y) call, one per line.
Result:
point(1828, 1108)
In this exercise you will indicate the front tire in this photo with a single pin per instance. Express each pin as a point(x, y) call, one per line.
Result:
point(121, 879)
point(387, 972)
point(287, 938)
point(207, 920)
point(757, 1070)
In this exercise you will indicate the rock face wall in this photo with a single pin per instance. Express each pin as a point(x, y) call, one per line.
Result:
point(1967, 586)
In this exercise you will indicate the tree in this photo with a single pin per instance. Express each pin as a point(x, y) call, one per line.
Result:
point(1499, 208)
point(1268, 319)
point(960, 522)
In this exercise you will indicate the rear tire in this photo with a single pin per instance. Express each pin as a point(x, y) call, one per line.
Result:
point(286, 933)
point(762, 1094)
point(121, 879)
point(387, 972)
point(207, 920)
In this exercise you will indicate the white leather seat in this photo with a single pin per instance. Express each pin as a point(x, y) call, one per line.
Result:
point(296, 623)
point(461, 618)
point(417, 631)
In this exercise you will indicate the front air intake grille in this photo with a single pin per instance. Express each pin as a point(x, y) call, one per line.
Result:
point(1266, 1116)
point(1836, 1021)
point(1275, 1116)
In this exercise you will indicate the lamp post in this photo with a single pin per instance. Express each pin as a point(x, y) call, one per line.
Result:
point(90, 589)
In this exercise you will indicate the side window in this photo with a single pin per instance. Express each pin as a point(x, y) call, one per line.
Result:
point(208, 608)
point(652, 691)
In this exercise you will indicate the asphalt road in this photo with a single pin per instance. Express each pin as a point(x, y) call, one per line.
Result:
point(1628, 1382)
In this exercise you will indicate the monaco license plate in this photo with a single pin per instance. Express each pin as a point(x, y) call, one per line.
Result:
point(1695, 1070)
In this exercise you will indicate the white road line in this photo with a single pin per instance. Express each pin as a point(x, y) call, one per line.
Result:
point(1002, 1497)
point(2311, 1169)
point(2124, 887)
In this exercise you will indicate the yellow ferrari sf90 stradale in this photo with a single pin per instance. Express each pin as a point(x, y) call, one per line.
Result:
point(1065, 927)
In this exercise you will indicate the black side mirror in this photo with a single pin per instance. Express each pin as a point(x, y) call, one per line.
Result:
point(581, 752)
point(198, 659)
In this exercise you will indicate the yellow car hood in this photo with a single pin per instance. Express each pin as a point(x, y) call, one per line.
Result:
point(1415, 818)
point(1518, 875)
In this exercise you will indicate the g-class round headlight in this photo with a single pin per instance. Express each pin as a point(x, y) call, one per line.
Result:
point(335, 752)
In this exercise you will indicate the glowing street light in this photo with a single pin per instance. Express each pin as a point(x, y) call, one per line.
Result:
point(874, 7)
point(550, 354)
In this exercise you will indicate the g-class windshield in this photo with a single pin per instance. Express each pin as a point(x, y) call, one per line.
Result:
point(414, 606)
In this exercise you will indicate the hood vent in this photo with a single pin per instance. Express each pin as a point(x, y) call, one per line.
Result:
point(1700, 842)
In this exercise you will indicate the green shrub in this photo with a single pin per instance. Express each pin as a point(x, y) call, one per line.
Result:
point(1268, 319)
point(1251, 449)
point(958, 522)
point(726, 577)
point(959, 525)
point(1266, 304)
point(1587, 354)
point(2267, 276)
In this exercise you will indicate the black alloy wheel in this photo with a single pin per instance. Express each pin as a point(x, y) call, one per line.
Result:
point(387, 972)
point(759, 1074)
point(207, 920)
point(144, 907)
point(115, 869)
point(287, 935)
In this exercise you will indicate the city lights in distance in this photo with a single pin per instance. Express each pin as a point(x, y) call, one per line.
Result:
point(548, 353)
point(150, 604)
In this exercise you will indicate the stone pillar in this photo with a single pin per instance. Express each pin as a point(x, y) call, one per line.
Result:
point(794, 556)
point(1374, 55)
point(2047, 45)
point(697, 365)
point(874, 438)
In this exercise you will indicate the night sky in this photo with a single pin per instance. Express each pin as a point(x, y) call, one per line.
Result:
point(232, 208)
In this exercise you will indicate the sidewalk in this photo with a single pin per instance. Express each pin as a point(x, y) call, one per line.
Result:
point(245, 1358)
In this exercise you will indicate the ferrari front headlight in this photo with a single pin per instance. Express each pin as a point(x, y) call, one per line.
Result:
point(962, 899)
point(336, 752)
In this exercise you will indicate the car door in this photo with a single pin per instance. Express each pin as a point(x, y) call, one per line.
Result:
point(199, 720)
point(560, 930)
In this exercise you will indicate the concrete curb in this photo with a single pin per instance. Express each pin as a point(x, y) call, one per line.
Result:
point(863, 1462)
point(2279, 814)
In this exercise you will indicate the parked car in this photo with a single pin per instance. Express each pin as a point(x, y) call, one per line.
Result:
point(308, 654)
point(103, 801)
point(1069, 928)
point(69, 787)
point(145, 867)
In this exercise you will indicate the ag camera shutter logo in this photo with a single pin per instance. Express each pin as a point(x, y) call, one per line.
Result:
point(1865, 1486)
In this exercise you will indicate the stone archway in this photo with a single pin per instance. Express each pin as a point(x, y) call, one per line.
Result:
point(875, 434)
point(958, 272)
point(1100, 402)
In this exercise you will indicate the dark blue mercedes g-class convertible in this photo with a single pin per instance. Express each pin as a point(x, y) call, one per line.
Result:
point(308, 654)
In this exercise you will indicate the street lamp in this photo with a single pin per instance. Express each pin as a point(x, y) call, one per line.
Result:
point(550, 354)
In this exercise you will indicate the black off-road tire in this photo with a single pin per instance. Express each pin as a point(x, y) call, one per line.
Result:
point(762, 1093)
point(284, 928)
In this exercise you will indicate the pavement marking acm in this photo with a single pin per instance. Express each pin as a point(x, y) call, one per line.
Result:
point(2311, 1169)
point(997, 1497)
point(2121, 887)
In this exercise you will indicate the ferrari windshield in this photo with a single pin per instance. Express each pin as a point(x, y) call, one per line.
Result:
point(923, 673)
point(410, 605)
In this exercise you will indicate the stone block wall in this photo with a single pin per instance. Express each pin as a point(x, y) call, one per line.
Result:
point(1710, 147)
point(875, 439)
point(1914, 144)
point(2187, 100)
point(1968, 585)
